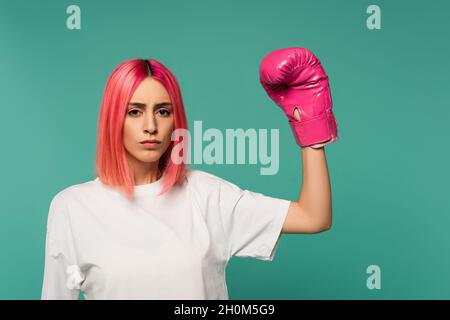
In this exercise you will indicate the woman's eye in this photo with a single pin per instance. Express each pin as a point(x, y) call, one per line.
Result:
point(133, 114)
point(164, 112)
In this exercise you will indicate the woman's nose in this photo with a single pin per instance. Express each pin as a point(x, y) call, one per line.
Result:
point(150, 124)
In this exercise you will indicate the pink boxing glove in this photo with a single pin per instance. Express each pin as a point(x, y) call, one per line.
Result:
point(294, 78)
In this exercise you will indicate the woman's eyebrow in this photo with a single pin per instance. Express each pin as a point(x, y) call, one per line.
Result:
point(156, 105)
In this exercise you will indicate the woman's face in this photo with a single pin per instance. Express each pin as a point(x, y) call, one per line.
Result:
point(149, 116)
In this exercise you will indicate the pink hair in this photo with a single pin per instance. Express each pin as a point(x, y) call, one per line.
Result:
point(111, 164)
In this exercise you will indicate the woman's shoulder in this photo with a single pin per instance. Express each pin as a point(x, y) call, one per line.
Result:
point(73, 191)
point(58, 208)
point(209, 183)
point(203, 177)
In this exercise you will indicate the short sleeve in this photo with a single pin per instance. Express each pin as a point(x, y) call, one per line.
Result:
point(62, 276)
point(252, 221)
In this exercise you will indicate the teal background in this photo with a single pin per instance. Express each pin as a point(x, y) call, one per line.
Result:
point(389, 170)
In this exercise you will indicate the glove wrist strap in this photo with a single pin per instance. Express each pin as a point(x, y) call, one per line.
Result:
point(321, 129)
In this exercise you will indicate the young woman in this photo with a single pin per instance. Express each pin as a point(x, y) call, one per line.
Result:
point(150, 228)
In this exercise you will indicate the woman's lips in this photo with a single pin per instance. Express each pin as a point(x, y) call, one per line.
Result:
point(150, 145)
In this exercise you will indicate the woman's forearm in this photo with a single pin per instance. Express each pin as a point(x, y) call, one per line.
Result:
point(315, 194)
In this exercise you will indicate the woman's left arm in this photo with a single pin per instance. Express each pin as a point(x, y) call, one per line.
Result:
point(296, 81)
point(312, 212)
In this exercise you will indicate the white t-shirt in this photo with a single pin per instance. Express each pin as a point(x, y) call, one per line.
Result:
point(174, 246)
